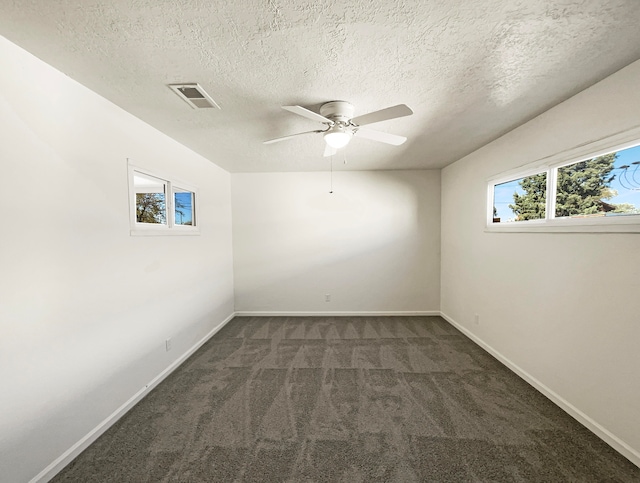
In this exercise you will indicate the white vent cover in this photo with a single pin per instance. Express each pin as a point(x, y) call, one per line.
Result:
point(194, 95)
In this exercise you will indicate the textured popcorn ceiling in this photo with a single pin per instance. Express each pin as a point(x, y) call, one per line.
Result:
point(471, 70)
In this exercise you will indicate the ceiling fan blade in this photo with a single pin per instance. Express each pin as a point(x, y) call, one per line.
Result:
point(329, 150)
point(301, 111)
point(383, 137)
point(400, 110)
point(284, 138)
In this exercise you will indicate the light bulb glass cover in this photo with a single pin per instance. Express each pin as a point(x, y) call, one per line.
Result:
point(338, 138)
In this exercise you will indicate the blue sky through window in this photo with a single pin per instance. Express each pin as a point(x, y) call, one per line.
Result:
point(627, 182)
point(184, 208)
point(503, 197)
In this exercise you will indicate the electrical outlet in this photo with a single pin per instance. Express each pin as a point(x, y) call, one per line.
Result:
point(167, 344)
point(327, 297)
point(476, 319)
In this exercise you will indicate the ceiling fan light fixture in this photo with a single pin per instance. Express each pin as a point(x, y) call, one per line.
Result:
point(341, 126)
point(338, 137)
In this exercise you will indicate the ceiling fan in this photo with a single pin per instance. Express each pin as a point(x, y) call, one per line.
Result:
point(341, 126)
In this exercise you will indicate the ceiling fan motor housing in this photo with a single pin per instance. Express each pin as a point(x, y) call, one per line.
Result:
point(337, 111)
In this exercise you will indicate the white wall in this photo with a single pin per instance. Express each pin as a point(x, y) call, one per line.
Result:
point(85, 307)
point(561, 307)
point(373, 245)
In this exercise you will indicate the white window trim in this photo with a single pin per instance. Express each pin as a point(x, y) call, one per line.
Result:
point(170, 228)
point(550, 165)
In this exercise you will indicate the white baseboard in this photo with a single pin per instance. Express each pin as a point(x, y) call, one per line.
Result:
point(63, 460)
point(249, 313)
point(604, 434)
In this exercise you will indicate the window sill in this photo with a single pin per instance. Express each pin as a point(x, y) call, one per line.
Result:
point(584, 225)
point(165, 232)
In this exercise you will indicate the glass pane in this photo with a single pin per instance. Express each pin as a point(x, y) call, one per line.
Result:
point(521, 199)
point(608, 185)
point(150, 199)
point(184, 204)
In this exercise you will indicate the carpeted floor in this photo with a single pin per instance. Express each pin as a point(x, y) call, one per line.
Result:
point(353, 399)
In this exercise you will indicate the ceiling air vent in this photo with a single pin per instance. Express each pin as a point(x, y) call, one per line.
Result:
point(194, 95)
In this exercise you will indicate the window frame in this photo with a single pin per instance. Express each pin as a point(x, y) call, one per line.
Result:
point(170, 227)
point(550, 165)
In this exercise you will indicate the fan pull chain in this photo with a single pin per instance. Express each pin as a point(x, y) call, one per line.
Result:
point(331, 179)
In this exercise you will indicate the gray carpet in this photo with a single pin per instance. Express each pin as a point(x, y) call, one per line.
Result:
point(353, 399)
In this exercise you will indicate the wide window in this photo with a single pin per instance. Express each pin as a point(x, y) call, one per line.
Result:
point(601, 189)
point(161, 206)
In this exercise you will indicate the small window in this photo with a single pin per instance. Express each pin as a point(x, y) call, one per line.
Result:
point(607, 185)
point(522, 199)
point(159, 206)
